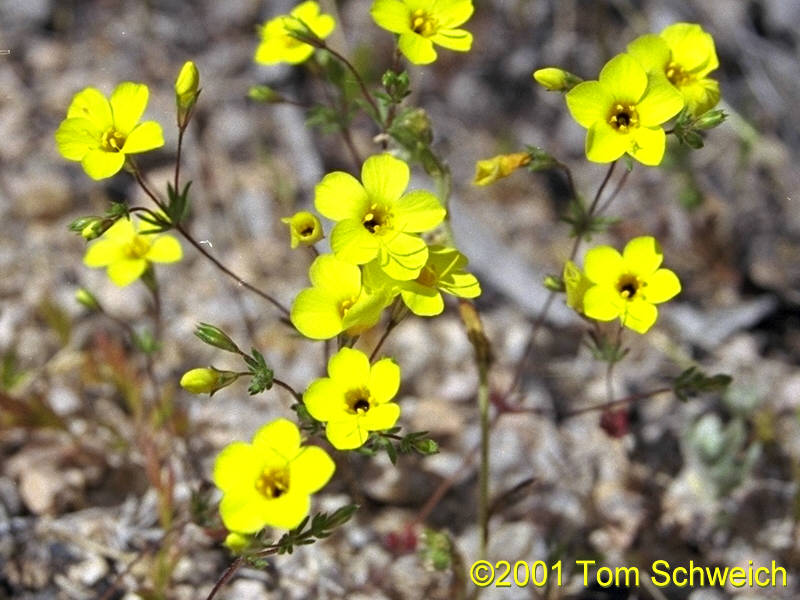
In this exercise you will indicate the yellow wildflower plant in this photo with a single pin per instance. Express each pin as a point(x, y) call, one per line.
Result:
point(684, 54)
point(336, 302)
point(444, 272)
point(100, 133)
point(379, 218)
point(270, 481)
point(279, 45)
point(575, 284)
point(623, 111)
point(628, 285)
point(489, 170)
point(304, 228)
point(423, 23)
point(355, 398)
point(126, 253)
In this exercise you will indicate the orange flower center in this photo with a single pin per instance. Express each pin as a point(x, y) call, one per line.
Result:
point(358, 401)
point(112, 141)
point(677, 75)
point(423, 23)
point(623, 117)
point(273, 483)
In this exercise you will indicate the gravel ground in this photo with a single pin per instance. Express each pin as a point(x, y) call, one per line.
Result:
point(714, 480)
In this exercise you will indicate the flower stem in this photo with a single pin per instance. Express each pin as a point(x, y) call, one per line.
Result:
point(225, 577)
point(483, 406)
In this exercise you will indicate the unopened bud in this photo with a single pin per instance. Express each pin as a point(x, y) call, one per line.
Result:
point(214, 336)
point(207, 380)
point(554, 79)
point(491, 169)
point(264, 93)
point(186, 91)
point(711, 119)
point(87, 299)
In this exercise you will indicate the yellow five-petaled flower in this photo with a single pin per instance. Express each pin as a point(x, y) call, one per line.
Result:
point(126, 253)
point(270, 481)
point(423, 23)
point(355, 399)
point(279, 45)
point(623, 111)
point(100, 133)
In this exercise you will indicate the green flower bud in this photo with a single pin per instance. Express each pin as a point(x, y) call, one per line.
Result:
point(87, 299)
point(264, 93)
point(186, 91)
point(207, 380)
point(711, 119)
point(556, 80)
point(214, 336)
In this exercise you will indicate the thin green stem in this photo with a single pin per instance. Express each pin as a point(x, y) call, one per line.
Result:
point(225, 577)
point(181, 131)
point(483, 505)
point(364, 91)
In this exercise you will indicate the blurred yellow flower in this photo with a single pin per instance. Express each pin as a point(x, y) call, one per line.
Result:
point(126, 253)
point(336, 302)
point(278, 45)
point(628, 285)
point(269, 482)
point(100, 132)
point(489, 170)
point(355, 399)
point(304, 228)
point(377, 219)
point(423, 23)
point(444, 272)
point(684, 54)
point(575, 284)
point(623, 112)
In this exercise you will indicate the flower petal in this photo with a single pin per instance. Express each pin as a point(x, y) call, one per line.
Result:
point(418, 211)
point(346, 433)
point(417, 49)
point(236, 466)
point(286, 511)
point(310, 470)
point(660, 103)
point(392, 15)
point(324, 399)
point(701, 95)
point(337, 278)
point(459, 40)
point(603, 264)
point(605, 144)
point(661, 286)
point(99, 164)
point(624, 78)
point(452, 13)
point(463, 285)
point(145, 136)
point(126, 271)
point(243, 511)
point(384, 380)
point(281, 437)
point(427, 303)
point(351, 242)
point(340, 196)
point(76, 136)
point(385, 177)
point(403, 255)
point(651, 51)
point(103, 252)
point(692, 48)
point(91, 104)
point(381, 417)
point(316, 315)
point(642, 256)
point(602, 302)
point(648, 145)
point(365, 312)
point(349, 366)
point(128, 102)
point(588, 102)
point(639, 315)
point(165, 249)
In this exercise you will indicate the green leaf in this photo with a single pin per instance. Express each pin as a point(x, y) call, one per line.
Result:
point(693, 382)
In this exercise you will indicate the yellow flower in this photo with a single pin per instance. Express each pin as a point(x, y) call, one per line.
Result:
point(554, 79)
point(444, 272)
point(100, 132)
point(628, 285)
point(304, 228)
point(623, 112)
point(423, 23)
point(575, 284)
point(355, 399)
point(270, 481)
point(278, 45)
point(336, 302)
point(377, 219)
point(127, 253)
point(684, 54)
point(491, 169)
point(207, 380)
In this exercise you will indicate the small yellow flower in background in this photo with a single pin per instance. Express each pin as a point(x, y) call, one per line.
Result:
point(336, 302)
point(278, 45)
point(126, 253)
point(99, 132)
point(377, 219)
point(423, 23)
point(684, 54)
point(489, 170)
point(444, 272)
point(207, 380)
point(554, 79)
point(269, 482)
point(628, 285)
point(623, 112)
point(304, 228)
point(575, 284)
point(355, 399)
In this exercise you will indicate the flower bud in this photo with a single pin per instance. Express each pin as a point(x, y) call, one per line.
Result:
point(87, 299)
point(711, 119)
point(556, 80)
point(207, 380)
point(491, 169)
point(214, 336)
point(264, 93)
point(575, 284)
point(304, 228)
point(186, 91)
